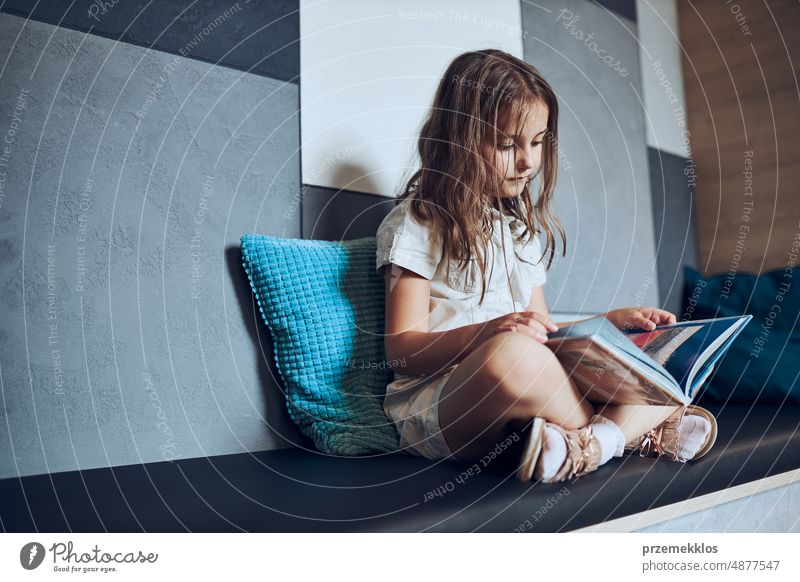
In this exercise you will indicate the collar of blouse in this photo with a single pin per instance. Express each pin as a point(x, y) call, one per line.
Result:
point(514, 224)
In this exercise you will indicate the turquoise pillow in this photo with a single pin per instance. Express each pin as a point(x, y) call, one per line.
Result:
point(323, 303)
point(763, 362)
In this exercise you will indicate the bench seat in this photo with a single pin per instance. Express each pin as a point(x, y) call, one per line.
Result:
point(293, 490)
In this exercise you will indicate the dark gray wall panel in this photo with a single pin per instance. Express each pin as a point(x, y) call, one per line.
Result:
point(128, 330)
point(676, 234)
point(603, 194)
point(330, 214)
point(259, 37)
point(626, 8)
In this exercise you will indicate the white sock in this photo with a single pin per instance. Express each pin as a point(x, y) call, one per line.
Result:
point(612, 440)
point(554, 447)
point(693, 431)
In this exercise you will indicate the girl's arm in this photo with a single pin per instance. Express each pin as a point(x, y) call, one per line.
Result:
point(410, 348)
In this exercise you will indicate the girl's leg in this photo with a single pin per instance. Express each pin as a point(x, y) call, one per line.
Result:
point(499, 387)
point(511, 378)
point(635, 420)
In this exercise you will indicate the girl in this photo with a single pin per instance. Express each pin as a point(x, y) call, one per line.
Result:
point(465, 311)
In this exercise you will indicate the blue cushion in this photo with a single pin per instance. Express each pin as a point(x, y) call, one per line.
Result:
point(763, 362)
point(323, 303)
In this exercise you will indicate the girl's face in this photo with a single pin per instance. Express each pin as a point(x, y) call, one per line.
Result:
point(519, 151)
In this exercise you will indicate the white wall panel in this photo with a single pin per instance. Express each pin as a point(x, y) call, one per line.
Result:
point(662, 78)
point(369, 71)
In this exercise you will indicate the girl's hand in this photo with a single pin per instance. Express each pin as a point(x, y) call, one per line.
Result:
point(642, 317)
point(531, 323)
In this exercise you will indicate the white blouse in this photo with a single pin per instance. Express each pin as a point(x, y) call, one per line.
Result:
point(455, 292)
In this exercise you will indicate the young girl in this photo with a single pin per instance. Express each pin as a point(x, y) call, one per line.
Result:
point(465, 309)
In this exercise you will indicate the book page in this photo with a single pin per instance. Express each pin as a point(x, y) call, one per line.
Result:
point(661, 344)
point(603, 379)
point(683, 348)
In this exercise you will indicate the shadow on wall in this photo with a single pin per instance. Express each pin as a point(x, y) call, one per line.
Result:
point(276, 415)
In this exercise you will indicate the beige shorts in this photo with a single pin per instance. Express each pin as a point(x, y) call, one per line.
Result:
point(412, 404)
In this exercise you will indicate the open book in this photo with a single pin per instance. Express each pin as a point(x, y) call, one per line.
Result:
point(664, 366)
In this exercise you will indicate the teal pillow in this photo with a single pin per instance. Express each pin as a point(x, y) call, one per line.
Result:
point(323, 303)
point(763, 362)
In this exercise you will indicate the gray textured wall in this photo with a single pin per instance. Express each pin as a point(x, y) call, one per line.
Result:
point(603, 194)
point(126, 331)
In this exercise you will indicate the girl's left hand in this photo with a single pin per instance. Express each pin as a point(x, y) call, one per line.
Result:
point(639, 317)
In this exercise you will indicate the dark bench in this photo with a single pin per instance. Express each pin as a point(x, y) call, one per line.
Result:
point(297, 490)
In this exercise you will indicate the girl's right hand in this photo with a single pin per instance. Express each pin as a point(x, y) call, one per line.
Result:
point(531, 323)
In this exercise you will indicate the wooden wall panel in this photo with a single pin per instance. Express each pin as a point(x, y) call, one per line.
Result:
point(740, 63)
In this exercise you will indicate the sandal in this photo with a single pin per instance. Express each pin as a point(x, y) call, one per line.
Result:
point(531, 449)
point(664, 439)
point(583, 452)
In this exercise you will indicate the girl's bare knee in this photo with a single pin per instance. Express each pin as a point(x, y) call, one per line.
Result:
point(509, 354)
point(527, 376)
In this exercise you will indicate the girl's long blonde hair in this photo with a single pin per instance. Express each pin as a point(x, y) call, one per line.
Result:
point(449, 191)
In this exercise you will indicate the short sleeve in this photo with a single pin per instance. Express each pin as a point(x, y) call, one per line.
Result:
point(531, 260)
point(403, 241)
